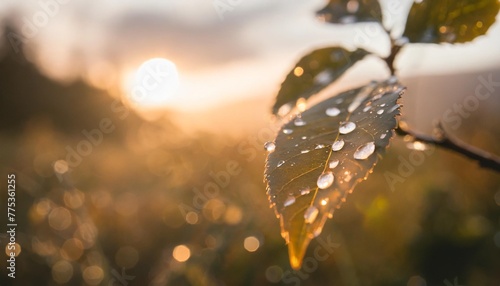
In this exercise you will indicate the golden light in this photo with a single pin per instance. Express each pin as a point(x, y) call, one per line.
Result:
point(251, 243)
point(154, 84)
point(62, 271)
point(181, 253)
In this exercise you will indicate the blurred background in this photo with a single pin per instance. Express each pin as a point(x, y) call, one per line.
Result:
point(113, 188)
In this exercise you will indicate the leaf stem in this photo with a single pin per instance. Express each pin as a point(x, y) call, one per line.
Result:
point(446, 141)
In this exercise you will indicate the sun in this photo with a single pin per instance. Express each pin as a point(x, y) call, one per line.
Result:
point(154, 84)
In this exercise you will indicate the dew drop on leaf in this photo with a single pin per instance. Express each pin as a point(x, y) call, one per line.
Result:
point(337, 145)
point(347, 178)
point(332, 111)
point(366, 108)
point(299, 122)
point(393, 108)
point(333, 163)
point(325, 180)
point(364, 151)
point(289, 201)
point(319, 146)
point(305, 191)
point(380, 111)
point(310, 214)
point(383, 135)
point(347, 127)
point(287, 131)
point(269, 146)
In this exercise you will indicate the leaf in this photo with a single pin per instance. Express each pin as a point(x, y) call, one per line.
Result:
point(314, 72)
point(319, 156)
point(351, 11)
point(446, 21)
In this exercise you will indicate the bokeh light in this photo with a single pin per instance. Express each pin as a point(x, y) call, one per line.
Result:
point(93, 275)
point(62, 271)
point(181, 253)
point(251, 243)
point(60, 218)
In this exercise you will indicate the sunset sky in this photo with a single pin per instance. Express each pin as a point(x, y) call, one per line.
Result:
point(222, 56)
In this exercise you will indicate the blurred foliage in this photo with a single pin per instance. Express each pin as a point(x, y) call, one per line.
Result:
point(444, 21)
point(312, 73)
point(351, 11)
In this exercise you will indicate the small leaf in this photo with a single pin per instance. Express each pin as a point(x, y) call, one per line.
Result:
point(313, 73)
point(320, 155)
point(444, 21)
point(351, 11)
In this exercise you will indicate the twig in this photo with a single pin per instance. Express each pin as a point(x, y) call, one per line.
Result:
point(390, 59)
point(444, 140)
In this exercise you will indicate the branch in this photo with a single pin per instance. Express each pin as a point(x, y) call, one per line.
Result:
point(445, 141)
point(396, 45)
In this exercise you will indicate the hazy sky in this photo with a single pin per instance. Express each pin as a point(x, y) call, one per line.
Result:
point(243, 52)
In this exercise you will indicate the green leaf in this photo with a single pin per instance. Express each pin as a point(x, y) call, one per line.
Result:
point(449, 21)
point(351, 11)
point(319, 156)
point(314, 72)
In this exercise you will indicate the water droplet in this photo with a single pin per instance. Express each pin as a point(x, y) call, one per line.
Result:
point(311, 214)
point(364, 151)
point(337, 145)
point(319, 146)
point(330, 214)
point(303, 137)
point(317, 232)
point(347, 176)
point(304, 151)
point(333, 163)
point(332, 111)
point(380, 111)
point(324, 202)
point(325, 180)
point(393, 108)
point(383, 135)
point(347, 127)
point(289, 201)
point(287, 131)
point(299, 122)
point(270, 147)
point(382, 105)
point(324, 77)
point(305, 191)
point(367, 108)
point(380, 92)
point(280, 163)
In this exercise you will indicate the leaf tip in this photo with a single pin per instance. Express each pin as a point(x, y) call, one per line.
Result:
point(297, 250)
